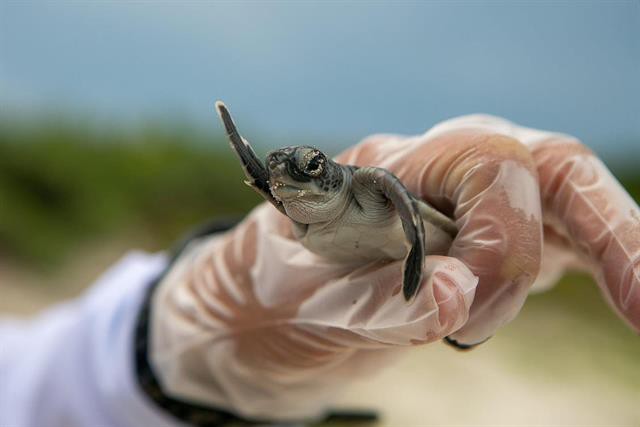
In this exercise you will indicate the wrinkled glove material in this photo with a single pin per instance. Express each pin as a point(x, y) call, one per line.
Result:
point(253, 322)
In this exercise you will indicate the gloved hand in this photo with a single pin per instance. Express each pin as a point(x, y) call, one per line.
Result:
point(252, 322)
point(506, 186)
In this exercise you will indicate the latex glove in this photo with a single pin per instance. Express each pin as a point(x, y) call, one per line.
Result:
point(504, 184)
point(254, 323)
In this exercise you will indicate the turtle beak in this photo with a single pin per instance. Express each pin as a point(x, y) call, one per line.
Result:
point(283, 186)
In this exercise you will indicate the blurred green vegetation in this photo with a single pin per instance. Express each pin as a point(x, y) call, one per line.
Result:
point(62, 183)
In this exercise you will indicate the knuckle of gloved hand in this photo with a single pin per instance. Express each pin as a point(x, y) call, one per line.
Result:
point(495, 148)
point(556, 158)
point(560, 146)
point(492, 162)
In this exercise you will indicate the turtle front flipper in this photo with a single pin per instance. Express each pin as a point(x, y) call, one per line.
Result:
point(383, 183)
point(257, 175)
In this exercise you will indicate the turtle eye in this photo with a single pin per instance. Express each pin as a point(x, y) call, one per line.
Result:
point(315, 165)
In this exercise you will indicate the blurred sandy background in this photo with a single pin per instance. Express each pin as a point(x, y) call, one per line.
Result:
point(108, 142)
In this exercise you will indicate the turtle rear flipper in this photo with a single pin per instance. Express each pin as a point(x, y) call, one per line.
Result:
point(257, 175)
point(385, 184)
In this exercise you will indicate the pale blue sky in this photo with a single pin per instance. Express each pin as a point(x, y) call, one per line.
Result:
point(331, 71)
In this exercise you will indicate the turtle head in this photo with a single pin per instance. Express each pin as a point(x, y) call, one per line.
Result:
point(306, 182)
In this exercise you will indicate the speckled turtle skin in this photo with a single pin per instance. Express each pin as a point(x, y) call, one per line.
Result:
point(346, 213)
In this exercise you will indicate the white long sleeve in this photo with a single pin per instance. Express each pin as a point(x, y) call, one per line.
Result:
point(74, 364)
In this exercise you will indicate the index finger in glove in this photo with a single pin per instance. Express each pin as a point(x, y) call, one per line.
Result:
point(597, 216)
point(488, 183)
point(366, 308)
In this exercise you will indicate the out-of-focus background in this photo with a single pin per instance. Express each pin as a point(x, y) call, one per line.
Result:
point(108, 141)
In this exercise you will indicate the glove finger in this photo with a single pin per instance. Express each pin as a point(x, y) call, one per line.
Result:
point(596, 215)
point(366, 309)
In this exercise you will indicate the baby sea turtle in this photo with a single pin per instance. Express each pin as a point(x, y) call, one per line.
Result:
point(343, 212)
